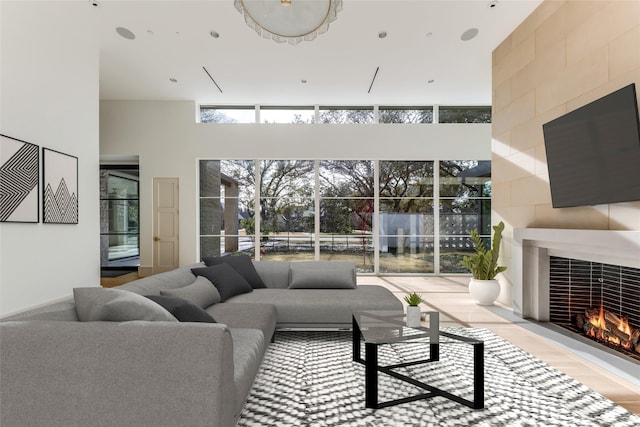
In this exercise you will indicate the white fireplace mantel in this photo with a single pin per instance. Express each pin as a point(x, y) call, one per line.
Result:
point(533, 246)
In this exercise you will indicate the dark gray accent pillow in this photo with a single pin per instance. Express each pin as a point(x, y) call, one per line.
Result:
point(201, 292)
point(227, 280)
point(182, 309)
point(240, 263)
point(104, 304)
point(332, 276)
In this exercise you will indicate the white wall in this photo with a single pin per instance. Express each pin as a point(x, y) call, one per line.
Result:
point(168, 142)
point(49, 97)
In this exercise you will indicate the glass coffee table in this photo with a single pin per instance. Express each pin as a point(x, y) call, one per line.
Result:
point(378, 328)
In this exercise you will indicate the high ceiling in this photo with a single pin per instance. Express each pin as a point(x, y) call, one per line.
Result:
point(423, 43)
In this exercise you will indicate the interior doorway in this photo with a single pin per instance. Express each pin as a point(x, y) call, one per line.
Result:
point(165, 224)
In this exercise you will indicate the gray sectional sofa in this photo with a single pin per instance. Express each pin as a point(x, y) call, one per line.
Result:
point(56, 370)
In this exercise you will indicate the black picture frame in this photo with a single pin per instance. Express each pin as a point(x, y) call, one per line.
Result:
point(59, 187)
point(19, 180)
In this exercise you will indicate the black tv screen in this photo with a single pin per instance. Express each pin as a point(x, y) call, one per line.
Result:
point(593, 153)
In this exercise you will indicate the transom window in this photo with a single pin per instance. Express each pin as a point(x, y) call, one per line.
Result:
point(345, 114)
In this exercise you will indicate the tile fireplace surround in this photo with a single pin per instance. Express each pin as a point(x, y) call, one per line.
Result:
point(532, 248)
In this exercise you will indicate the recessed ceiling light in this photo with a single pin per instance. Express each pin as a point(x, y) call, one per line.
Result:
point(469, 34)
point(382, 34)
point(127, 34)
point(214, 34)
point(172, 80)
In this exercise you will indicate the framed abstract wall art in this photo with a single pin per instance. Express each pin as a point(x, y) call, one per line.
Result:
point(60, 187)
point(19, 180)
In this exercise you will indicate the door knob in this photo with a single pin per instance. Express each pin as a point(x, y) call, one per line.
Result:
point(156, 239)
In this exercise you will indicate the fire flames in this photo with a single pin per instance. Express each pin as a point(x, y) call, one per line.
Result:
point(602, 329)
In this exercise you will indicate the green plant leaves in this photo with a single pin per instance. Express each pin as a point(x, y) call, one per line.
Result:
point(413, 299)
point(483, 265)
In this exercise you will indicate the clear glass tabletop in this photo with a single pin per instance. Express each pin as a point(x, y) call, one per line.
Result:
point(389, 326)
point(386, 327)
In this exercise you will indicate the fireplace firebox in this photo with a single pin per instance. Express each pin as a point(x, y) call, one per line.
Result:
point(600, 301)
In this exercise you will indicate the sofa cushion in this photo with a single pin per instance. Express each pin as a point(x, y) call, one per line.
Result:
point(319, 307)
point(322, 275)
point(152, 285)
point(274, 274)
point(248, 316)
point(201, 292)
point(227, 280)
point(182, 309)
point(104, 304)
point(240, 263)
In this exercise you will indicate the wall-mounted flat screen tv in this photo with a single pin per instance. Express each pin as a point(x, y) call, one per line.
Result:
point(593, 153)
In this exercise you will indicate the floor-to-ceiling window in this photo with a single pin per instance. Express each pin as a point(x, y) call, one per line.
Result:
point(226, 199)
point(464, 205)
point(346, 207)
point(287, 209)
point(388, 217)
point(406, 217)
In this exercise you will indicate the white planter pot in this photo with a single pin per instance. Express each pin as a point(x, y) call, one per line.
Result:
point(484, 292)
point(413, 316)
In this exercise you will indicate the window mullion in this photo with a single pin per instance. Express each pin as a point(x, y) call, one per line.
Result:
point(256, 207)
point(376, 217)
point(316, 210)
point(436, 217)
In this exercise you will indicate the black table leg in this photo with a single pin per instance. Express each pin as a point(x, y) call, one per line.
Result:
point(356, 337)
point(478, 375)
point(371, 375)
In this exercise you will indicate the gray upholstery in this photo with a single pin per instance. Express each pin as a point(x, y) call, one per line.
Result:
point(275, 274)
point(120, 374)
point(57, 371)
point(322, 275)
point(58, 311)
point(249, 346)
point(152, 285)
point(201, 292)
point(94, 304)
point(306, 307)
point(247, 316)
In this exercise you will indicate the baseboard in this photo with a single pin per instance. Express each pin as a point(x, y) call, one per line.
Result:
point(144, 271)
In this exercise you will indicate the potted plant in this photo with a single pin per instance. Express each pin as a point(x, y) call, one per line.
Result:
point(413, 311)
point(483, 265)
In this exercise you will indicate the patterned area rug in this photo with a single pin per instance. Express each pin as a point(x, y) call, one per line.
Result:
point(309, 379)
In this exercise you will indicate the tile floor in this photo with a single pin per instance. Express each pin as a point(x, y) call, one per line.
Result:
point(449, 296)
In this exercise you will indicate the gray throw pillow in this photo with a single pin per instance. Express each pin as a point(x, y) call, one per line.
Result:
point(321, 276)
point(201, 292)
point(104, 304)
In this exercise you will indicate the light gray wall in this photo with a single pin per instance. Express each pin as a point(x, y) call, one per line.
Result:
point(169, 142)
point(49, 83)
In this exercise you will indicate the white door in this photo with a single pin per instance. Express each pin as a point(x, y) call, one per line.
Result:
point(165, 224)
